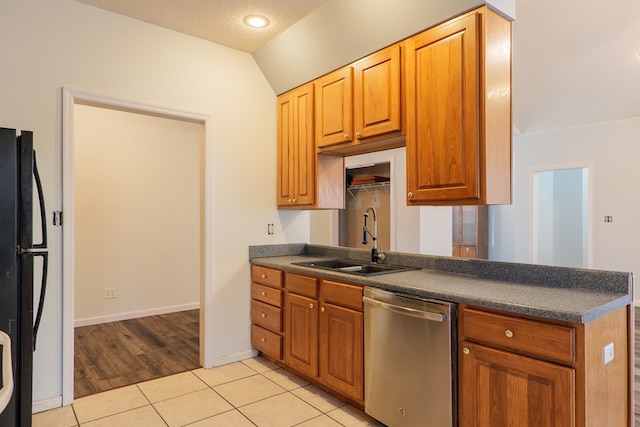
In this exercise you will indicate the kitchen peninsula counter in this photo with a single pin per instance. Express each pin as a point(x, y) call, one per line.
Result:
point(559, 293)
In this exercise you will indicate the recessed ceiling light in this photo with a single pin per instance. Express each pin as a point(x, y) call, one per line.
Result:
point(256, 21)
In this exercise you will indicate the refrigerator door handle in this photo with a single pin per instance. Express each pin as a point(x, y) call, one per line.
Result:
point(43, 292)
point(43, 215)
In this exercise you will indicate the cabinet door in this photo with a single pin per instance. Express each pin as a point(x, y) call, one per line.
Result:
point(504, 389)
point(334, 108)
point(301, 334)
point(296, 148)
point(342, 350)
point(377, 93)
point(443, 135)
point(304, 147)
point(285, 149)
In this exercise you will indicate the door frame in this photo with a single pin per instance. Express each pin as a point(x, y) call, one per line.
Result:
point(70, 97)
point(533, 207)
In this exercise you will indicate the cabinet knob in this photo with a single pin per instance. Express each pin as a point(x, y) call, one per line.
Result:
point(310, 305)
point(263, 315)
point(466, 350)
point(410, 194)
point(290, 200)
point(508, 333)
point(346, 136)
point(322, 309)
point(264, 276)
point(263, 293)
point(358, 135)
point(262, 339)
point(294, 200)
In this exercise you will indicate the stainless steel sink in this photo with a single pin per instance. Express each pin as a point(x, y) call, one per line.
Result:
point(355, 267)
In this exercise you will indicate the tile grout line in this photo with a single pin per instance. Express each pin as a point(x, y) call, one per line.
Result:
point(152, 406)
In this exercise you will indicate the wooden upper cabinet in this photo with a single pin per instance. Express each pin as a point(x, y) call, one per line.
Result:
point(296, 149)
point(334, 108)
point(361, 104)
point(377, 103)
point(458, 89)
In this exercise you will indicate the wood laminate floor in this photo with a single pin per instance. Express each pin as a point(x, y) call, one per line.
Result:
point(117, 354)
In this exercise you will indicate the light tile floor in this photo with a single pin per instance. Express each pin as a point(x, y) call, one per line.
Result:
point(250, 393)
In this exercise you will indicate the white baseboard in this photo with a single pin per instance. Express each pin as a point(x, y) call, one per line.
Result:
point(46, 404)
point(134, 314)
point(231, 358)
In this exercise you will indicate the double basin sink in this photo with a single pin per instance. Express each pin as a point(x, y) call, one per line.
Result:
point(355, 267)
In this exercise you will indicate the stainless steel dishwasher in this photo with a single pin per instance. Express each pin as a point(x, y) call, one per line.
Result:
point(409, 360)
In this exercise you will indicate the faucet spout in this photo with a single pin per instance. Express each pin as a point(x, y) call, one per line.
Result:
point(376, 255)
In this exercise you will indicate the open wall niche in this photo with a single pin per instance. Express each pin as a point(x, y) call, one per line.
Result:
point(368, 185)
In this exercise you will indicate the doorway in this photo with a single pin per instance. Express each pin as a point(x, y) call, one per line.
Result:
point(561, 213)
point(132, 247)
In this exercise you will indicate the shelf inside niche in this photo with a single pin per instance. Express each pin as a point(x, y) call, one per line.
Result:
point(353, 189)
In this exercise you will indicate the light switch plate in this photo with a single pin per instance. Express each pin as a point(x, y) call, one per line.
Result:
point(608, 353)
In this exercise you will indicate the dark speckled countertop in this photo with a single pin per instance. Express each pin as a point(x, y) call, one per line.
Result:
point(574, 295)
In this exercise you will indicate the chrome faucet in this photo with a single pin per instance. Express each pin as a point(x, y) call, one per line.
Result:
point(376, 255)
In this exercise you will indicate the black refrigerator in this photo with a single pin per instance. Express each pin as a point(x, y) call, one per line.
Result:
point(18, 253)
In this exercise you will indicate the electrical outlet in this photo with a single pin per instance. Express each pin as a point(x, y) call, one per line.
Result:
point(608, 353)
point(608, 218)
point(109, 293)
point(269, 229)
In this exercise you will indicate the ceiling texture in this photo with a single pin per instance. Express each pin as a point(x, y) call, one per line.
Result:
point(219, 21)
point(575, 62)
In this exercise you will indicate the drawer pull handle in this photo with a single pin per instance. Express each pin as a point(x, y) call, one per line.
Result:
point(263, 293)
point(310, 305)
point(466, 350)
point(322, 309)
point(508, 333)
point(263, 315)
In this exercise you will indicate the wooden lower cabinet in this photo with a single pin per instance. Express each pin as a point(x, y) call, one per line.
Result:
point(266, 312)
point(530, 372)
point(324, 334)
point(342, 350)
point(505, 389)
point(302, 333)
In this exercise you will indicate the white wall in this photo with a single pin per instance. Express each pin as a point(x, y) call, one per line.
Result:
point(137, 214)
point(49, 44)
point(613, 149)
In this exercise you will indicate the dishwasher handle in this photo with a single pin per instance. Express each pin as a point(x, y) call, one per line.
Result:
point(427, 315)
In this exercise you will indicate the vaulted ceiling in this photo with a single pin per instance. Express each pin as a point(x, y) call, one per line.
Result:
point(575, 62)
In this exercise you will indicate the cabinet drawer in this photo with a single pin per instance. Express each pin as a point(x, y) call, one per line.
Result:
point(539, 339)
point(266, 294)
point(266, 276)
point(302, 285)
point(342, 294)
point(266, 341)
point(266, 315)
